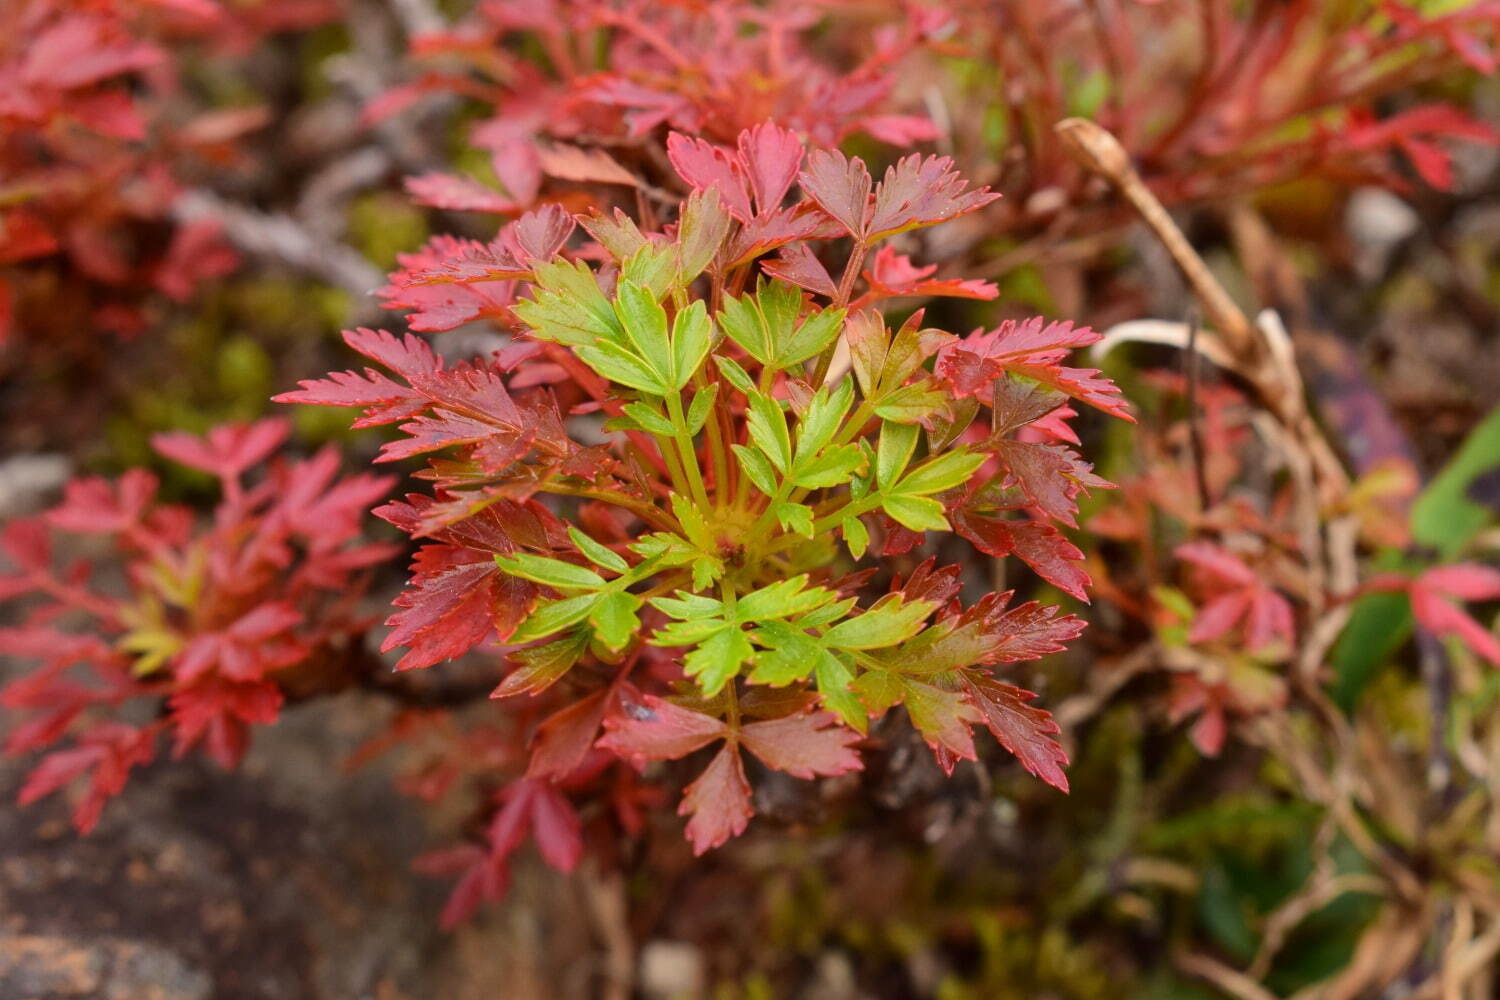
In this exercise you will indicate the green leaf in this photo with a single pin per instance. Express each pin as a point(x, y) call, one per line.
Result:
point(941, 473)
point(691, 332)
point(567, 306)
point(1378, 625)
point(825, 414)
point(552, 572)
point(648, 418)
point(765, 325)
point(687, 633)
point(757, 467)
point(829, 469)
point(653, 268)
point(701, 407)
point(890, 621)
point(615, 620)
point(718, 659)
point(645, 323)
point(619, 365)
point(768, 430)
point(685, 607)
point(911, 404)
point(827, 614)
point(897, 442)
point(742, 323)
point(833, 678)
point(878, 690)
point(736, 375)
point(912, 346)
point(706, 569)
point(811, 338)
point(665, 549)
point(782, 599)
point(691, 518)
point(790, 654)
point(1444, 516)
point(868, 339)
point(795, 517)
point(856, 536)
point(916, 513)
point(597, 554)
point(539, 667)
point(555, 616)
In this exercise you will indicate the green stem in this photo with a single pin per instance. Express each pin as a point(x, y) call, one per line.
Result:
point(718, 449)
point(688, 453)
point(649, 513)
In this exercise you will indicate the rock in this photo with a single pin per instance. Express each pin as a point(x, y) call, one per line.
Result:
point(43, 967)
point(671, 970)
point(1377, 221)
point(30, 482)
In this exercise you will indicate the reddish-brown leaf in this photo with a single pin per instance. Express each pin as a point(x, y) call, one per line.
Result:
point(718, 802)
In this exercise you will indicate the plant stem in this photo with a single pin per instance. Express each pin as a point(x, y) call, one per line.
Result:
point(688, 453)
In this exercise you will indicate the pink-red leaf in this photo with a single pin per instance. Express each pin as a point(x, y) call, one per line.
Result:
point(656, 729)
point(1022, 728)
point(718, 802)
point(804, 745)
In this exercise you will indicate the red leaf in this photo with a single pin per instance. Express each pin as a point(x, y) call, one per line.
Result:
point(1050, 475)
point(891, 275)
point(1431, 604)
point(769, 156)
point(198, 252)
point(227, 450)
point(1220, 563)
point(1022, 728)
point(384, 401)
point(1218, 616)
point(585, 166)
point(456, 599)
point(1236, 593)
point(921, 191)
point(107, 753)
point(1465, 581)
point(483, 877)
point(900, 130)
point(563, 740)
point(718, 802)
point(1040, 546)
point(93, 504)
point(798, 265)
point(704, 165)
point(1032, 348)
point(459, 194)
point(986, 634)
point(656, 729)
point(553, 823)
point(81, 50)
point(943, 718)
point(444, 306)
point(804, 745)
point(841, 187)
point(535, 237)
point(220, 710)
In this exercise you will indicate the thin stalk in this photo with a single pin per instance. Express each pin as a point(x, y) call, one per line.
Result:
point(689, 455)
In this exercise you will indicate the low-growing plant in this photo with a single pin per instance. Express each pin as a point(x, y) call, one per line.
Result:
point(95, 142)
point(663, 497)
point(218, 623)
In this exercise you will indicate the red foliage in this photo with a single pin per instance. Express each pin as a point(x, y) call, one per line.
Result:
point(215, 619)
point(1436, 595)
point(91, 144)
